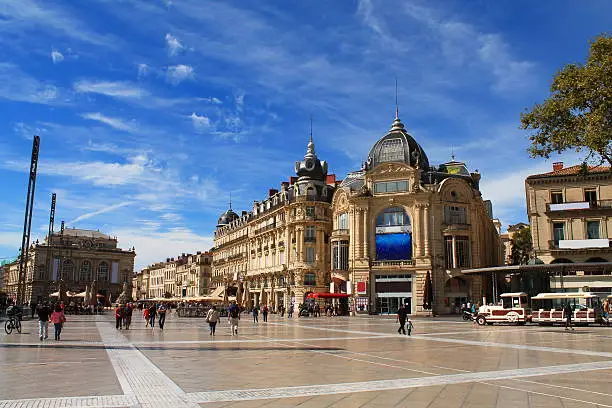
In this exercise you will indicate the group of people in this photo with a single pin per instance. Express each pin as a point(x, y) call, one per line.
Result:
point(123, 316)
point(50, 314)
point(151, 312)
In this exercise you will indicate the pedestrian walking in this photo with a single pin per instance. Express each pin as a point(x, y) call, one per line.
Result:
point(119, 317)
point(290, 311)
point(212, 317)
point(33, 308)
point(567, 310)
point(43, 321)
point(58, 319)
point(161, 312)
point(145, 315)
point(265, 313)
point(152, 315)
point(233, 317)
point(409, 326)
point(402, 313)
point(606, 311)
point(255, 313)
point(127, 316)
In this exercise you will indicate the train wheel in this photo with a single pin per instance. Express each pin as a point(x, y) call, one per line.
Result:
point(481, 320)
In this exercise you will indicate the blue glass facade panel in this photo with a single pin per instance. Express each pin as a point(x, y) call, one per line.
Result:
point(393, 247)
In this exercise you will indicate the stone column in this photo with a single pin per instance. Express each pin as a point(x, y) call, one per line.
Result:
point(358, 233)
point(300, 243)
point(426, 231)
point(366, 232)
point(416, 230)
point(352, 234)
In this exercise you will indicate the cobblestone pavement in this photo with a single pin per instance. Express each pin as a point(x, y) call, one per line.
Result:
point(306, 362)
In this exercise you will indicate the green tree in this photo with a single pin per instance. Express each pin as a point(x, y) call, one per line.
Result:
point(521, 246)
point(578, 113)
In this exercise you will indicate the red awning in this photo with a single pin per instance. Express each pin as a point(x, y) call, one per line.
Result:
point(327, 295)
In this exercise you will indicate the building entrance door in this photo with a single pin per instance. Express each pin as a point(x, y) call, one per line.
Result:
point(390, 305)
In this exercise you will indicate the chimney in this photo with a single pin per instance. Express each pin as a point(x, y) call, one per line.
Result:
point(272, 191)
point(167, 259)
point(557, 166)
point(244, 213)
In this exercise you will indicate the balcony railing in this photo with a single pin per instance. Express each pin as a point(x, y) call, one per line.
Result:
point(409, 262)
point(580, 205)
point(265, 228)
point(456, 227)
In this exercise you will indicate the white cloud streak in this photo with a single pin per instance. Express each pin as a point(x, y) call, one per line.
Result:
point(15, 85)
point(173, 44)
point(57, 56)
point(178, 73)
point(119, 89)
point(112, 122)
point(104, 210)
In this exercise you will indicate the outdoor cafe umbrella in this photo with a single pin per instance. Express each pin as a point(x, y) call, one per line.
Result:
point(427, 292)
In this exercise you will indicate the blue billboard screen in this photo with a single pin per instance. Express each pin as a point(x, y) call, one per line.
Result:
point(392, 247)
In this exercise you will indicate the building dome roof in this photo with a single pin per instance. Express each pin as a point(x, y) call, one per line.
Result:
point(398, 146)
point(227, 217)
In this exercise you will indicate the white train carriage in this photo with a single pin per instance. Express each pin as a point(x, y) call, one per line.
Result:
point(548, 308)
point(514, 309)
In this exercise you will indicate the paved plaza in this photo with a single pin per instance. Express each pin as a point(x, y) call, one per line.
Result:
point(306, 362)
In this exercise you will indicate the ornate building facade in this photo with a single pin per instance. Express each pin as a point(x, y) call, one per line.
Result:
point(188, 275)
point(78, 257)
point(278, 252)
point(399, 219)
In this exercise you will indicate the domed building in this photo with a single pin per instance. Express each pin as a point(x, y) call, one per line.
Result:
point(404, 230)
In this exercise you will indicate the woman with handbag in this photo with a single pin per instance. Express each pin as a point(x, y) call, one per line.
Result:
point(58, 319)
point(212, 317)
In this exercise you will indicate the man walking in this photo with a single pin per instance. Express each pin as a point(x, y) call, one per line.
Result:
point(161, 311)
point(33, 307)
point(152, 315)
point(234, 317)
point(402, 313)
point(255, 312)
point(290, 311)
point(265, 313)
point(567, 310)
point(43, 321)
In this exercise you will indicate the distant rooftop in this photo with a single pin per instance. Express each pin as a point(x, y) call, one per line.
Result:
point(85, 233)
point(559, 170)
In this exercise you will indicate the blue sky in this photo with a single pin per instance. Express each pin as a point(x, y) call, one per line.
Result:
point(151, 111)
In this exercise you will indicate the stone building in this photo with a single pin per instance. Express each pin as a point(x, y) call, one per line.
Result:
point(279, 251)
point(570, 212)
point(186, 276)
point(78, 257)
point(399, 218)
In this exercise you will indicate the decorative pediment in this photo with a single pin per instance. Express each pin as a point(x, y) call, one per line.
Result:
point(392, 170)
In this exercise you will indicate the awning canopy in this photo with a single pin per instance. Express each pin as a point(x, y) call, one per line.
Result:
point(315, 295)
point(551, 268)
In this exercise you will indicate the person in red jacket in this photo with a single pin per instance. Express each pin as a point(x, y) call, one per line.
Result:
point(119, 317)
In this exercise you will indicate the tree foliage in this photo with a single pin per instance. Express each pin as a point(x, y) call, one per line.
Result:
point(521, 246)
point(578, 113)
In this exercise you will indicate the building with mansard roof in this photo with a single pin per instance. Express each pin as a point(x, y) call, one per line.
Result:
point(278, 252)
point(398, 220)
point(78, 257)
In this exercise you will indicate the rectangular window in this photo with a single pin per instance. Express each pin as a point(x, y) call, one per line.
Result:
point(310, 254)
point(391, 186)
point(556, 197)
point(592, 229)
point(448, 252)
point(310, 233)
point(558, 232)
point(455, 215)
point(343, 221)
point(590, 196)
point(462, 245)
point(310, 211)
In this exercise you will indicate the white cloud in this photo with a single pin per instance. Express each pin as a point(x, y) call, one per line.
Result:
point(178, 73)
point(57, 56)
point(173, 44)
point(100, 211)
point(153, 245)
point(109, 88)
point(171, 217)
point(143, 70)
point(200, 123)
point(15, 85)
point(112, 122)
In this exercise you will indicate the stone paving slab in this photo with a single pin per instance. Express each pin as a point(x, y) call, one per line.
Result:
point(313, 362)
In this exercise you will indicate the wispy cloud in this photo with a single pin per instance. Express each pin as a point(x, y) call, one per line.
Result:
point(173, 44)
point(15, 85)
point(104, 210)
point(116, 123)
point(56, 56)
point(118, 89)
point(200, 123)
point(178, 73)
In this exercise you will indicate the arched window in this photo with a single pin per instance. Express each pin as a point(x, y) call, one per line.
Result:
point(310, 279)
point(85, 274)
point(343, 221)
point(103, 271)
point(67, 270)
point(393, 235)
